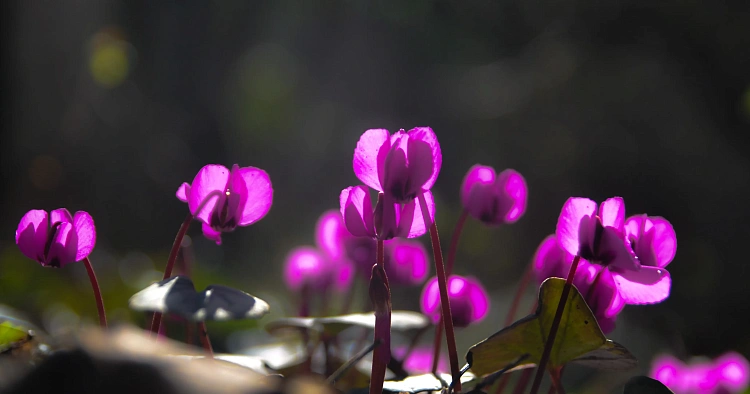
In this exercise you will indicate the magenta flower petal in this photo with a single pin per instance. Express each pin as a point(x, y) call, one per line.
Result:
point(429, 302)
point(258, 193)
point(330, 235)
point(212, 181)
point(86, 234)
point(648, 285)
point(412, 223)
point(576, 212)
point(183, 192)
point(427, 136)
point(653, 238)
point(406, 263)
point(369, 157)
point(612, 213)
point(478, 178)
point(31, 235)
point(356, 209)
point(63, 249)
point(60, 215)
point(669, 371)
point(468, 299)
point(550, 260)
point(480, 301)
point(617, 253)
point(733, 371)
point(513, 195)
point(343, 275)
point(306, 266)
point(211, 234)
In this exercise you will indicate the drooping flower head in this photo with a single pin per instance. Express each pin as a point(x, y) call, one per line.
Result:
point(652, 239)
point(593, 282)
point(306, 267)
point(401, 165)
point(598, 236)
point(57, 239)
point(388, 220)
point(406, 262)
point(729, 373)
point(468, 299)
point(222, 199)
point(494, 199)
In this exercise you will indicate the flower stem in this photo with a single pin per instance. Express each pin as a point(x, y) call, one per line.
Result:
point(555, 325)
point(97, 292)
point(380, 295)
point(436, 345)
point(556, 376)
point(156, 322)
point(442, 284)
point(203, 335)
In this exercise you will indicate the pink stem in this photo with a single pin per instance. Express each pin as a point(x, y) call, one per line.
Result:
point(380, 294)
point(445, 303)
point(97, 292)
point(555, 325)
point(156, 322)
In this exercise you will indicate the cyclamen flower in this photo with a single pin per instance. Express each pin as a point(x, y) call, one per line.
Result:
point(307, 268)
point(339, 244)
point(600, 239)
point(652, 239)
point(222, 199)
point(494, 199)
point(401, 165)
point(419, 360)
point(57, 239)
point(599, 293)
point(387, 220)
point(406, 262)
point(729, 373)
point(469, 301)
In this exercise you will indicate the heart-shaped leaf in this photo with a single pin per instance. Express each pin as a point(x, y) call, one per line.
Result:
point(578, 334)
point(645, 385)
point(610, 356)
point(333, 325)
point(177, 295)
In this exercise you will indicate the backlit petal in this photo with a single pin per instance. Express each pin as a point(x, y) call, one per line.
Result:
point(612, 213)
point(64, 246)
point(664, 241)
point(211, 234)
point(60, 215)
point(648, 285)
point(183, 192)
point(356, 209)
point(416, 226)
point(259, 192)
point(426, 135)
point(421, 164)
point(549, 260)
point(514, 194)
point(31, 235)
point(569, 222)
point(480, 301)
point(86, 232)
point(369, 157)
point(615, 251)
point(429, 302)
point(330, 232)
point(478, 175)
point(210, 183)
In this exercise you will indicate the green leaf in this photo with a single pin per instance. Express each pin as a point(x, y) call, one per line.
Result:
point(645, 385)
point(333, 325)
point(12, 336)
point(610, 356)
point(578, 334)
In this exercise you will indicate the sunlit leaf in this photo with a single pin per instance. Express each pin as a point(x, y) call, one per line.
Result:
point(400, 321)
point(578, 334)
point(177, 295)
point(610, 356)
point(645, 385)
point(422, 383)
point(12, 336)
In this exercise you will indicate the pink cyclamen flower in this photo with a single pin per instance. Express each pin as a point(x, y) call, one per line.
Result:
point(57, 239)
point(494, 199)
point(406, 262)
point(469, 301)
point(593, 282)
point(387, 220)
point(401, 165)
point(599, 237)
point(307, 268)
point(222, 199)
point(652, 239)
point(730, 373)
point(339, 244)
point(419, 360)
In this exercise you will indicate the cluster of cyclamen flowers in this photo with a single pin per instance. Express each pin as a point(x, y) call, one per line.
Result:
point(728, 374)
point(611, 260)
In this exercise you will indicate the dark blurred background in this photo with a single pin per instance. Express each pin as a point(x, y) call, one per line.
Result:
point(110, 105)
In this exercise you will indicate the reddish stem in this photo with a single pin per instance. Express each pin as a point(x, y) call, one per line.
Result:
point(555, 325)
point(445, 303)
point(381, 299)
point(436, 345)
point(97, 292)
point(156, 322)
point(203, 335)
point(556, 375)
